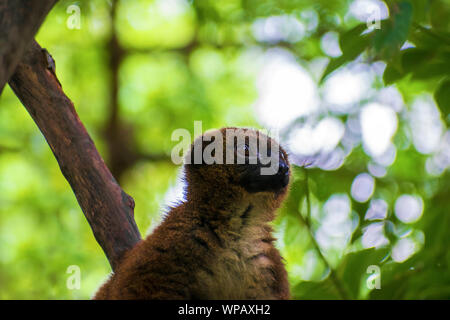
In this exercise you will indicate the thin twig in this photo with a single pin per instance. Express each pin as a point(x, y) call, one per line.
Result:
point(308, 200)
point(306, 221)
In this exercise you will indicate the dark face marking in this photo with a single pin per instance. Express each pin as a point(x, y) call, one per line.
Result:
point(253, 181)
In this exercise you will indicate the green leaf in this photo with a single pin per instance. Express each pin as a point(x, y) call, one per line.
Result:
point(429, 38)
point(352, 44)
point(348, 38)
point(309, 290)
point(440, 15)
point(422, 63)
point(394, 32)
point(425, 63)
point(392, 73)
point(412, 58)
point(433, 69)
point(442, 96)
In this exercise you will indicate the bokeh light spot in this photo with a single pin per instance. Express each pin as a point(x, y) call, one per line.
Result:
point(286, 91)
point(377, 210)
point(329, 43)
point(409, 208)
point(403, 249)
point(362, 187)
point(373, 236)
point(378, 123)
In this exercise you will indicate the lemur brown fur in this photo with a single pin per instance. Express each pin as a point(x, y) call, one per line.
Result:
point(218, 244)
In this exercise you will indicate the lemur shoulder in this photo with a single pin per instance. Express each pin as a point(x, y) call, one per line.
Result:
point(218, 243)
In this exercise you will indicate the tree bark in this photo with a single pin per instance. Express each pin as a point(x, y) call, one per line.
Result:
point(19, 22)
point(108, 209)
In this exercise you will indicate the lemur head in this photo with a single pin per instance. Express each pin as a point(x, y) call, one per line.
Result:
point(236, 164)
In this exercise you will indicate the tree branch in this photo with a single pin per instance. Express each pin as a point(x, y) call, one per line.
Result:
point(108, 209)
point(19, 22)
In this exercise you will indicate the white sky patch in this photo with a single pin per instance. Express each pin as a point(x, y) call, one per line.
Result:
point(390, 96)
point(403, 249)
point(317, 66)
point(377, 210)
point(286, 91)
point(407, 45)
point(337, 208)
point(279, 28)
point(301, 141)
point(329, 132)
point(309, 265)
point(378, 123)
point(310, 18)
point(378, 67)
point(331, 161)
point(367, 10)
point(324, 137)
point(171, 9)
point(426, 125)
point(440, 161)
point(409, 208)
point(336, 226)
point(363, 187)
point(376, 170)
point(354, 125)
point(329, 43)
point(347, 86)
point(373, 236)
point(352, 135)
point(387, 157)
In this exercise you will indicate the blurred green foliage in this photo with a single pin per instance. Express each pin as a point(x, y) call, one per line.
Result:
point(198, 60)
